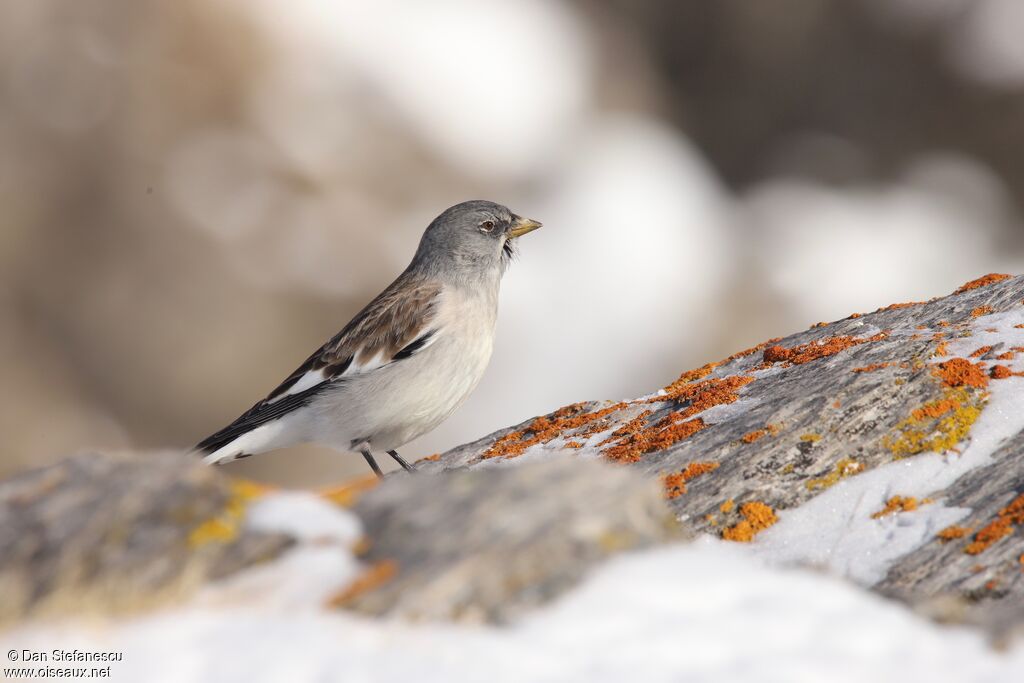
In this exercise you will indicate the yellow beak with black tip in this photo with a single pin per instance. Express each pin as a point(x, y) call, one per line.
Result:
point(521, 226)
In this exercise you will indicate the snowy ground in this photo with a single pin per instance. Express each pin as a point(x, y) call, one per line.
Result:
point(708, 611)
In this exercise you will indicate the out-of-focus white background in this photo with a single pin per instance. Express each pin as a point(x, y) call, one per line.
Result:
point(195, 194)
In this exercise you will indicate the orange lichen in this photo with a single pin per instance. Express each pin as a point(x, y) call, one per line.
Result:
point(706, 394)
point(637, 438)
point(815, 350)
point(573, 444)
point(875, 366)
point(1000, 372)
point(1003, 525)
point(727, 507)
point(893, 307)
point(983, 281)
point(897, 504)
point(981, 310)
point(1019, 326)
point(981, 351)
point(675, 484)
point(756, 518)
point(753, 436)
point(958, 372)
point(348, 493)
point(952, 533)
point(692, 375)
point(430, 458)
point(665, 433)
point(933, 410)
point(758, 434)
point(1009, 355)
point(547, 427)
point(700, 373)
point(752, 350)
point(374, 577)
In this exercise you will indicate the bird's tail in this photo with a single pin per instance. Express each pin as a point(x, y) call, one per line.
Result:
point(270, 424)
point(219, 448)
point(240, 440)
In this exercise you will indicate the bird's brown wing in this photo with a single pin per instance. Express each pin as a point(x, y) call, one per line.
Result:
point(392, 328)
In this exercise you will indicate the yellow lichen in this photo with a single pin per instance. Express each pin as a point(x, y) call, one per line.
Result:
point(810, 438)
point(224, 527)
point(847, 467)
point(938, 425)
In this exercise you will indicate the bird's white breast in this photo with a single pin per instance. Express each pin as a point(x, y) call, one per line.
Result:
point(395, 404)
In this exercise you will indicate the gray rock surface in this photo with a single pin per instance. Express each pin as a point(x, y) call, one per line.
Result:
point(829, 403)
point(507, 522)
point(484, 544)
point(108, 533)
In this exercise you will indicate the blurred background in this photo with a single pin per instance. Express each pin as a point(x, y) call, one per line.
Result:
point(195, 194)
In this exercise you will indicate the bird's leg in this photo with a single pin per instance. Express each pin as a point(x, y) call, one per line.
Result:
point(401, 461)
point(371, 462)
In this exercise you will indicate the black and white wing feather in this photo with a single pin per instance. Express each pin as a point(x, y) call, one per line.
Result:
point(392, 328)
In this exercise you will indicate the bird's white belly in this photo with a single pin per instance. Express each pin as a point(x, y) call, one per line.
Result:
point(395, 404)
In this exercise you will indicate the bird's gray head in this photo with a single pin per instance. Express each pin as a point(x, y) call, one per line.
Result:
point(471, 239)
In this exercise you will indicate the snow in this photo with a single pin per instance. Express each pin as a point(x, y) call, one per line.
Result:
point(835, 528)
point(708, 611)
point(303, 516)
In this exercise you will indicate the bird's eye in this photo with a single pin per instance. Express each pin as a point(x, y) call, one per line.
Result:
point(487, 226)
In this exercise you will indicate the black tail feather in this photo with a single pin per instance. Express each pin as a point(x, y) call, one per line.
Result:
point(260, 414)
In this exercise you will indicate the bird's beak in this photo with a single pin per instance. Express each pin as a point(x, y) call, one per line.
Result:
point(521, 226)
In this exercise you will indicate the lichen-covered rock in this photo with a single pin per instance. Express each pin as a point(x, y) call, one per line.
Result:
point(872, 432)
point(114, 533)
point(483, 544)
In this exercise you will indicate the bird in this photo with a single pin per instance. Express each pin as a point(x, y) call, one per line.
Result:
point(405, 362)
